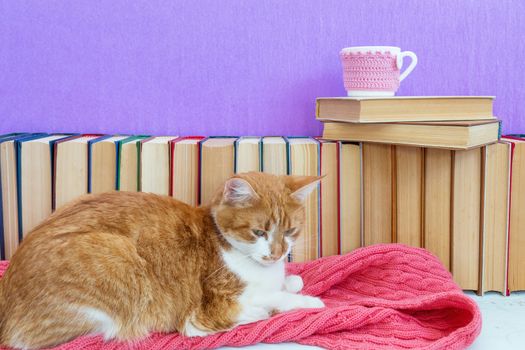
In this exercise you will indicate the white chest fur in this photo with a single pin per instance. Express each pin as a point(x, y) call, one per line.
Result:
point(267, 290)
point(256, 276)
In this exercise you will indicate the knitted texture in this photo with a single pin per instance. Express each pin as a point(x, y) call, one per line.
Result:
point(370, 71)
point(386, 296)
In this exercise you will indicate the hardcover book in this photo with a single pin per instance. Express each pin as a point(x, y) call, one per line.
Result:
point(408, 195)
point(70, 168)
point(329, 203)
point(248, 154)
point(516, 263)
point(102, 163)
point(184, 175)
point(274, 155)
point(377, 193)
point(8, 195)
point(496, 199)
point(466, 217)
point(217, 164)
point(128, 156)
point(451, 135)
point(35, 159)
point(155, 164)
point(304, 160)
point(404, 108)
point(436, 216)
point(351, 197)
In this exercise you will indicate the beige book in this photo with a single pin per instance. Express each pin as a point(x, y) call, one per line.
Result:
point(128, 167)
point(495, 217)
point(248, 154)
point(35, 181)
point(377, 193)
point(217, 165)
point(9, 197)
point(185, 170)
point(404, 108)
point(274, 155)
point(329, 204)
point(104, 164)
point(304, 160)
point(351, 197)
point(450, 135)
point(408, 194)
point(516, 277)
point(437, 203)
point(155, 165)
point(71, 169)
point(466, 216)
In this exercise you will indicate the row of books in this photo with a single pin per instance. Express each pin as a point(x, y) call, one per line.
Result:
point(456, 203)
point(42, 172)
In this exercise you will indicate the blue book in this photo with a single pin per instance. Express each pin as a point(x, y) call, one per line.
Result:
point(35, 161)
point(8, 195)
point(102, 163)
point(128, 163)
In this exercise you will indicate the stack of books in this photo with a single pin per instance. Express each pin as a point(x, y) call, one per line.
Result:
point(434, 175)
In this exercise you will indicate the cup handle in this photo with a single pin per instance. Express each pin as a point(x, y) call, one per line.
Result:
point(410, 68)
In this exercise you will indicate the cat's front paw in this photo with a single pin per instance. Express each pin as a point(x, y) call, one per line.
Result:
point(293, 284)
point(253, 313)
point(191, 331)
point(288, 301)
point(312, 302)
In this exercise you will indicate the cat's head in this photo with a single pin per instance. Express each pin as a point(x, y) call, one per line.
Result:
point(262, 215)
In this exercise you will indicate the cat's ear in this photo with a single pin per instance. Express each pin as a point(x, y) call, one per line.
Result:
point(302, 186)
point(238, 192)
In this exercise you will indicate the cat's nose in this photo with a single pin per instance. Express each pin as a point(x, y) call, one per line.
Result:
point(272, 257)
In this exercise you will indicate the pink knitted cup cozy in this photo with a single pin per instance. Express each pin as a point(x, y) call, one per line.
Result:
point(370, 71)
point(387, 296)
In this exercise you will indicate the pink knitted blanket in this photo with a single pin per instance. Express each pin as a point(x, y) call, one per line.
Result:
point(380, 297)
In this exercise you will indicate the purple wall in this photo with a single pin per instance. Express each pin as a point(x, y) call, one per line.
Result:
point(239, 67)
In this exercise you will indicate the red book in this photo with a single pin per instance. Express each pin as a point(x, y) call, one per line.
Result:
point(516, 231)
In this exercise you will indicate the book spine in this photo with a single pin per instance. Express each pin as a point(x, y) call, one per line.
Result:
point(261, 154)
point(90, 144)
point(288, 159)
point(339, 198)
point(362, 199)
point(482, 231)
point(171, 155)
point(89, 165)
point(199, 171)
point(319, 200)
point(509, 232)
point(235, 154)
point(18, 155)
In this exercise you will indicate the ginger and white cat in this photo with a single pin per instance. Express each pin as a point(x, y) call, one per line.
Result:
point(125, 264)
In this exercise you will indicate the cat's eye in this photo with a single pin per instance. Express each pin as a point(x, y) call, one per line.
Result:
point(259, 233)
point(289, 231)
